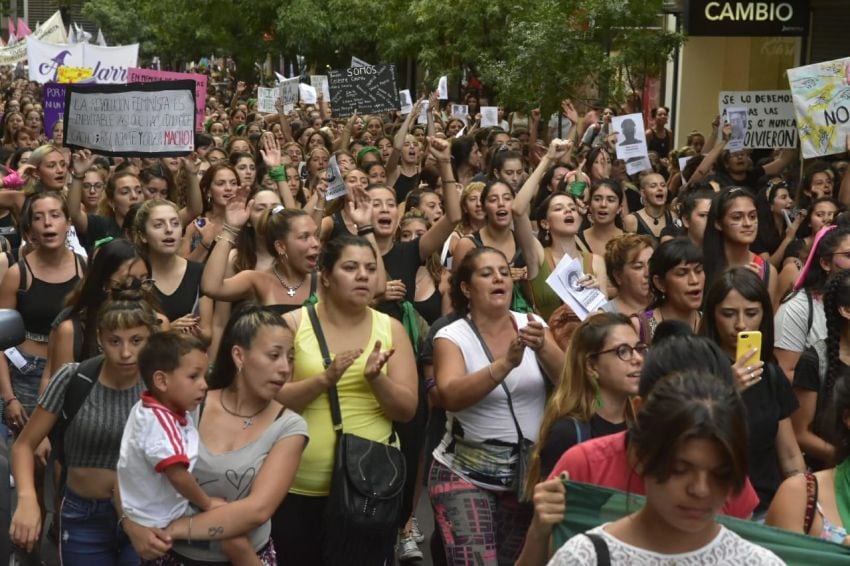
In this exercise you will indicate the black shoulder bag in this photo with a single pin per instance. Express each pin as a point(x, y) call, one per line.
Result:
point(365, 501)
point(524, 445)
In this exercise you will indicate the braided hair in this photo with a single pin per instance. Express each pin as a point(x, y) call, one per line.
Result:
point(836, 295)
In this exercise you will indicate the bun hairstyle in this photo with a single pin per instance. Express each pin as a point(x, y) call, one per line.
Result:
point(275, 225)
point(126, 308)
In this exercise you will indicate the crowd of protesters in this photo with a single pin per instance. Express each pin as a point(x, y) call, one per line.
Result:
point(171, 390)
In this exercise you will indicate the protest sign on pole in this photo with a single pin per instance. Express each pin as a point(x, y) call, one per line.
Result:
point(138, 120)
point(289, 93)
point(52, 31)
point(266, 99)
point(822, 104)
point(136, 75)
point(631, 142)
point(365, 90)
point(54, 106)
point(320, 83)
point(770, 117)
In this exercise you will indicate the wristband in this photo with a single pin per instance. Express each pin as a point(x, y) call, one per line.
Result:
point(365, 230)
point(78, 177)
point(10, 399)
point(278, 173)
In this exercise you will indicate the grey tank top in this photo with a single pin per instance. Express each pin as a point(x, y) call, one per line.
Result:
point(230, 476)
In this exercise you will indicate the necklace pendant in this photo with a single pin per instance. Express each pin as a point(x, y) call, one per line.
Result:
point(246, 422)
point(655, 221)
point(290, 291)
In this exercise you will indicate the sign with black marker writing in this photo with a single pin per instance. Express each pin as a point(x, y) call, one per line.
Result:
point(770, 120)
point(365, 90)
point(136, 120)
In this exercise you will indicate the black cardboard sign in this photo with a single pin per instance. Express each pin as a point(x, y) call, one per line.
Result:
point(366, 90)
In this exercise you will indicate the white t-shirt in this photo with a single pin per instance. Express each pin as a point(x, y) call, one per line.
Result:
point(490, 418)
point(727, 549)
point(154, 439)
point(791, 323)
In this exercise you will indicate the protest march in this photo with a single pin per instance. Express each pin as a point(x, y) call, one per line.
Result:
point(364, 312)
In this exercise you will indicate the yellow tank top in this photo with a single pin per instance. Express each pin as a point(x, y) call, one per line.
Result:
point(361, 412)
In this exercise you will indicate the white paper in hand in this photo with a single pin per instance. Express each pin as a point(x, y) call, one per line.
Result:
point(443, 88)
point(336, 186)
point(737, 118)
point(266, 98)
point(564, 281)
point(423, 113)
point(489, 116)
point(405, 101)
point(320, 82)
point(308, 93)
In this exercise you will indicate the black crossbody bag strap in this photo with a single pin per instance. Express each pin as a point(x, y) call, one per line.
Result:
point(489, 355)
point(333, 396)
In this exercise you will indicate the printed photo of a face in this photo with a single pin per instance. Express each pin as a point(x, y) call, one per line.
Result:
point(628, 129)
point(738, 121)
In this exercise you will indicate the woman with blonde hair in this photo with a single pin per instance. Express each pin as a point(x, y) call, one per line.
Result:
point(601, 372)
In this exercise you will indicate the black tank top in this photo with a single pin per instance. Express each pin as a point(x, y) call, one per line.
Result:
point(431, 308)
point(42, 302)
point(644, 229)
point(516, 261)
point(339, 227)
point(185, 298)
point(282, 309)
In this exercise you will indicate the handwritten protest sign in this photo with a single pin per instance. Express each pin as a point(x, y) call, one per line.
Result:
point(770, 117)
point(822, 104)
point(365, 90)
point(66, 75)
point(136, 120)
point(135, 75)
point(289, 93)
point(320, 83)
point(54, 105)
point(266, 98)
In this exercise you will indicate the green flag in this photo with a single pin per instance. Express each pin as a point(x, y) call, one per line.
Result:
point(589, 506)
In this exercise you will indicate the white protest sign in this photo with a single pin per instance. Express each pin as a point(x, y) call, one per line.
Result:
point(443, 88)
point(136, 120)
point(266, 98)
point(771, 123)
point(336, 185)
point(737, 118)
point(355, 62)
point(289, 92)
point(821, 94)
point(320, 83)
point(489, 116)
point(423, 112)
point(631, 142)
point(307, 93)
point(110, 65)
point(51, 31)
point(405, 100)
point(564, 280)
point(44, 59)
point(682, 162)
point(461, 112)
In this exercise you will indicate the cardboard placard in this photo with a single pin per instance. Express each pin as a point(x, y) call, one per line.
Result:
point(365, 90)
point(137, 120)
point(771, 123)
point(821, 96)
point(136, 75)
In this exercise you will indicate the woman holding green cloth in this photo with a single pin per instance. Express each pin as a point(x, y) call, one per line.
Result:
point(819, 504)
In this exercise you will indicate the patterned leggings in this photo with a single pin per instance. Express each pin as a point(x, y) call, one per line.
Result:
point(478, 527)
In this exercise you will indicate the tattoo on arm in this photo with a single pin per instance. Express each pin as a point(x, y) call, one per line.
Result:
point(215, 532)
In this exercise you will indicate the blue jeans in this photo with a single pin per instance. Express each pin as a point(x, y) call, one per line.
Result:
point(89, 534)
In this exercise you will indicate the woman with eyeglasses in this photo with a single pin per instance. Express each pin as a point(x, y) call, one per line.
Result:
point(591, 399)
point(738, 302)
point(93, 185)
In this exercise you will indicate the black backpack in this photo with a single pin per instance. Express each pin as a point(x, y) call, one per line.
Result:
point(79, 387)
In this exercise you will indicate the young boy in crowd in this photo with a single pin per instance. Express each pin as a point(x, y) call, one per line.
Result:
point(160, 443)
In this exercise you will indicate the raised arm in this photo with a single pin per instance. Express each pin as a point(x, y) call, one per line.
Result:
point(844, 190)
point(775, 167)
point(437, 235)
point(194, 199)
point(270, 150)
point(345, 136)
point(557, 149)
point(712, 156)
point(213, 282)
point(398, 140)
point(283, 119)
point(81, 162)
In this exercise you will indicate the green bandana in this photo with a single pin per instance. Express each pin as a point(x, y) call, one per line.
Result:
point(842, 491)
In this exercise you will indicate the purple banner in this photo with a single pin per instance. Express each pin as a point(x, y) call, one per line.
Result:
point(54, 106)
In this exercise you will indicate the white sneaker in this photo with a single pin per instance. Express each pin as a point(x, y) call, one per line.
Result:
point(415, 531)
point(407, 549)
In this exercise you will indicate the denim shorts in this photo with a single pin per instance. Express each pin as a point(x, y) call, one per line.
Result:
point(89, 534)
point(25, 382)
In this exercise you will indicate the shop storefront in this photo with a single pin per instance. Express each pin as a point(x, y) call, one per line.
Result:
point(734, 45)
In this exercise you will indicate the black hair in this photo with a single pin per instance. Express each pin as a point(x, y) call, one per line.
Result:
point(666, 257)
point(203, 140)
point(461, 150)
point(836, 295)
point(332, 250)
point(691, 197)
point(163, 352)
point(683, 353)
point(690, 405)
point(463, 274)
point(805, 229)
point(803, 199)
point(838, 432)
point(816, 277)
point(540, 212)
point(497, 161)
point(752, 288)
point(670, 328)
point(240, 330)
point(713, 247)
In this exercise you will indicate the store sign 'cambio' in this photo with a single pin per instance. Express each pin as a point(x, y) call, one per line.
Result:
point(743, 18)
